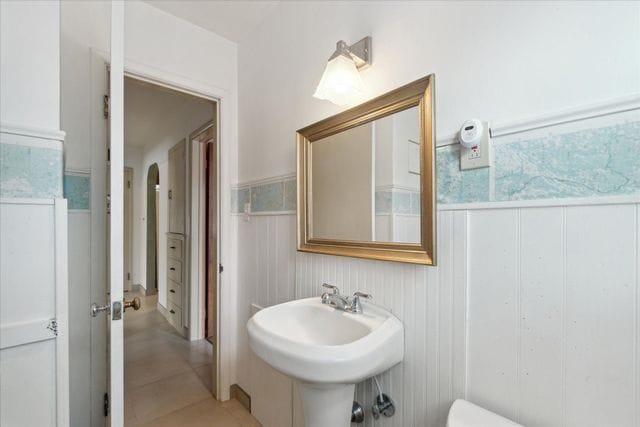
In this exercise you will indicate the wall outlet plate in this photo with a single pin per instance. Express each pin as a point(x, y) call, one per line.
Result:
point(479, 156)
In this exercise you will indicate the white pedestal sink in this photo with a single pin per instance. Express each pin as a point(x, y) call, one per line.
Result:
point(327, 351)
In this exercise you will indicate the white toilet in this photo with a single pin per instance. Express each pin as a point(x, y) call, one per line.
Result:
point(466, 414)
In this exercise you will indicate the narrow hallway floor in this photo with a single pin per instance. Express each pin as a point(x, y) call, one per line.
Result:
point(167, 379)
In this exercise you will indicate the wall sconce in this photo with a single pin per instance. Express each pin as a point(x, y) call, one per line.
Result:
point(341, 83)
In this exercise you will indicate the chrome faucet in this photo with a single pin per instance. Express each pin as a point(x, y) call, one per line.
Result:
point(342, 302)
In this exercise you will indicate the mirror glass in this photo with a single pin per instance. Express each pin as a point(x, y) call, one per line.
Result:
point(365, 182)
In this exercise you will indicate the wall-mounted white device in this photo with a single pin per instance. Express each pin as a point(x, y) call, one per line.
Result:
point(476, 145)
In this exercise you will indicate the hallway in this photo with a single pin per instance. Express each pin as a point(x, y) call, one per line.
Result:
point(168, 379)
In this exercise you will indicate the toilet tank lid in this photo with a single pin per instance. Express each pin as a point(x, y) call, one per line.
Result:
point(466, 414)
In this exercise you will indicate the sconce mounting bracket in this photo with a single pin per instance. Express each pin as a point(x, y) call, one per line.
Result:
point(360, 51)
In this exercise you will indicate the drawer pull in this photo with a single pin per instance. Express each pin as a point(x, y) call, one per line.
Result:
point(172, 269)
point(172, 247)
point(172, 291)
point(172, 312)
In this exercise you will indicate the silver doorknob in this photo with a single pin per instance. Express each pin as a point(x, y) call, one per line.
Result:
point(95, 309)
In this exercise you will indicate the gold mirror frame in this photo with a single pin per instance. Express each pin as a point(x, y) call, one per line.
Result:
point(419, 93)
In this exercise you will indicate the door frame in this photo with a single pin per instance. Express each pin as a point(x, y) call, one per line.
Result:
point(227, 173)
point(115, 219)
point(225, 341)
point(198, 219)
point(198, 227)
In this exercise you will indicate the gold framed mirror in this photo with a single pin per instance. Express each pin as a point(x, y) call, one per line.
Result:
point(366, 179)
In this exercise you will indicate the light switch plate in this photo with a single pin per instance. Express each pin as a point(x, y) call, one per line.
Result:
point(478, 156)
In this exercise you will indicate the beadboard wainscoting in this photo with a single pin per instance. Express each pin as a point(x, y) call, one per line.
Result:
point(266, 276)
point(532, 312)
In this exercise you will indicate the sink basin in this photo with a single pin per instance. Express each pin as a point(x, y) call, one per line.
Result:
point(327, 351)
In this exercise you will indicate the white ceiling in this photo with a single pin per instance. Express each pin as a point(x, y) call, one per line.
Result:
point(153, 114)
point(232, 20)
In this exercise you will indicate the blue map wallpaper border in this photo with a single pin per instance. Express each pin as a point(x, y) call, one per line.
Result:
point(586, 163)
point(77, 191)
point(30, 172)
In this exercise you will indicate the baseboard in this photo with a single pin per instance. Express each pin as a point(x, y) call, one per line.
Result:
point(241, 396)
point(162, 309)
point(137, 287)
point(165, 313)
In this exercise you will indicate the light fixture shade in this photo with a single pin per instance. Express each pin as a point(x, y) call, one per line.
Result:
point(341, 82)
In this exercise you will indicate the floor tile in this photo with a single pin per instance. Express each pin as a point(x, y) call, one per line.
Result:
point(165, 396)
point(168, 379)
point(207, 413)
point(205, 375)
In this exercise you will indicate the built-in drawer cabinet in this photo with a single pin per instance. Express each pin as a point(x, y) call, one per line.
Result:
point(174, 293)
point(174, 270)
point(175, 315)
point(174, 248)
point(176, 281)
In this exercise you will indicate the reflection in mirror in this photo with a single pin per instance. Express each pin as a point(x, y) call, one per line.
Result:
point(365, 182)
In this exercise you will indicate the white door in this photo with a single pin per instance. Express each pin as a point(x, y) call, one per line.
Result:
point(107, 250)
point(116, 222)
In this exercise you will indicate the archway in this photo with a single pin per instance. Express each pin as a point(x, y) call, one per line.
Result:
point(153, 183)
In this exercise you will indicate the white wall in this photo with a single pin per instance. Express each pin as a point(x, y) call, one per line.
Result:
point(156, 152)
point(34, 382)
point(521, 60)
point(158, 46)
point(30, 64)
point(497, 348)
point(133, 160)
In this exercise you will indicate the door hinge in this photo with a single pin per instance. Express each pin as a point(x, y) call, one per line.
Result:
point(220, 268)
point(128, 276)
point(53, 326)
point(106, 404)
point(105, 106)
point(128, 184)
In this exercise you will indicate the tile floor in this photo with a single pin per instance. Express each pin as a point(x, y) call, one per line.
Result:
point(167, 379)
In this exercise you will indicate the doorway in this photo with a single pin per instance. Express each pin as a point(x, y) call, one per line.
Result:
point(170, 343)
point(153, 193)
point(106, 350)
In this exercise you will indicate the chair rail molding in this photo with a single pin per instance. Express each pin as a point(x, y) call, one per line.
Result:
point(34, 132)
point(554, 118)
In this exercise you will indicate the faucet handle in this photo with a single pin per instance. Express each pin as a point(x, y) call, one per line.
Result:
point(334, 289)
point(356, 307)
point(363, 295)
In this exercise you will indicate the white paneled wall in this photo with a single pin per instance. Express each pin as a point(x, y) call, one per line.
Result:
point(429, 301)
point(531, 312)
point(433, 372)
point(34, 352)
point(266, 255)
point(553, 306)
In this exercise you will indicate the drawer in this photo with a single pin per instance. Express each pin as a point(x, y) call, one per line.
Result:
point(175, 315)
point(174, 270)
point(174, 294)
point(174, 248)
